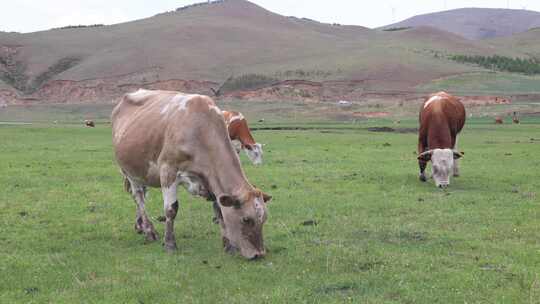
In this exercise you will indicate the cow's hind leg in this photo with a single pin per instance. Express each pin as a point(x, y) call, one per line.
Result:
point(142, 222)
point(169, 186)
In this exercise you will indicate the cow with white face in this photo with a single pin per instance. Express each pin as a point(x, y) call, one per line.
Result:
point(441, 119)
point(166, 139)
point(241, 136)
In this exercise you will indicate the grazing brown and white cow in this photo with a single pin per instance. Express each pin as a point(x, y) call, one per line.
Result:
point(441, 119)
point(89, 123)
point(165, 139)
point(241, 136)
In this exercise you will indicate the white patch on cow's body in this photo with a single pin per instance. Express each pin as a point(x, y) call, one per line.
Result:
point(169, 195)
point(432, 99)
point(236, 117)
point(140, 95)
point(181, 100)
point(165, 108)
point(192, 183)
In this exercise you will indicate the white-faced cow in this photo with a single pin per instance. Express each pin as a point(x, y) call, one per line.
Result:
point(241, 136)
point(441, 119)
point(89, 123)
point(165, 139)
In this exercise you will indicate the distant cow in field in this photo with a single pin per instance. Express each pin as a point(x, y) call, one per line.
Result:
point(499, 120)
point(515, 118)
point(441, 119)
point(89, 123)
point(241, 136)
point(165, 139)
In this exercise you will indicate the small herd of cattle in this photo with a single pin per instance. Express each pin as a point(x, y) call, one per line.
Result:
point(165, 139)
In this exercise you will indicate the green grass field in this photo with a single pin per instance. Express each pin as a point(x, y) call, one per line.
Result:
point(381, 236)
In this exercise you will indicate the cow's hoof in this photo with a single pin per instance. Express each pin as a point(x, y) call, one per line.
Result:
point(151, 236)
point(139, 226)
point(138, 229)
point(422, 178)
point(170, 247)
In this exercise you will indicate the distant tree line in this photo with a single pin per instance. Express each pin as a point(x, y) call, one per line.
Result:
point(395, 29)
point(529, 66)
point(78, 26)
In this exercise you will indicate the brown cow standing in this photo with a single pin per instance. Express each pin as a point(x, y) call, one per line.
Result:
point(165, 139)
point(241, 136)
point(441, 119)
point(499, 120)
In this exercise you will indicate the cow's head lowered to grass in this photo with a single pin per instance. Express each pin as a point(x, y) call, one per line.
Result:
point(442, 162)
point(254, 153)
point(241, 221)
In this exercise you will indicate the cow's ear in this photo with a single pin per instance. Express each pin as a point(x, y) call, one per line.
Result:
point(458, 155)
point(226, 200)
point(426, 156)
point(266, 197)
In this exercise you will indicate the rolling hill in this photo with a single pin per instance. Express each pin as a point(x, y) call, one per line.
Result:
point(476, 23)
point(197, 48)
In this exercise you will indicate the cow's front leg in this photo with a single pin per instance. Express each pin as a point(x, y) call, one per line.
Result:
point(169, 187)
point(456, 168)
point(456, 162)
point(422, 164)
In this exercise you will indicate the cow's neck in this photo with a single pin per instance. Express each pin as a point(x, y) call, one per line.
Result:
point(240, 131)
point(223, 173)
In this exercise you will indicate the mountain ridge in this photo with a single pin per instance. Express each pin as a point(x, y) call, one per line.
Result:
point(198, 48)
point(476, 23)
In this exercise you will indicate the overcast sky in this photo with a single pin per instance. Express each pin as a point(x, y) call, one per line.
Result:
point(35, 15)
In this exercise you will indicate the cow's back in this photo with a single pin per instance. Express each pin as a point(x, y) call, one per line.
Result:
point(442, 117)
point(140, 123)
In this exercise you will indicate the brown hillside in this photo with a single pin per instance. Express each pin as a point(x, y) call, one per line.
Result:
point(209, 43)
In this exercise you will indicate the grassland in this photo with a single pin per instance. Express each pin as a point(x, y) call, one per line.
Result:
point(489, 83)
point(381, 236)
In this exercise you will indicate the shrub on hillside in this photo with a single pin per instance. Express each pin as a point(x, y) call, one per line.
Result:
point(502, 63)
point(78, 26)
point(247, 82)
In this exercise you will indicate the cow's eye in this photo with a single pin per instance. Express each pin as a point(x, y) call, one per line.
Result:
point(248, 221)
